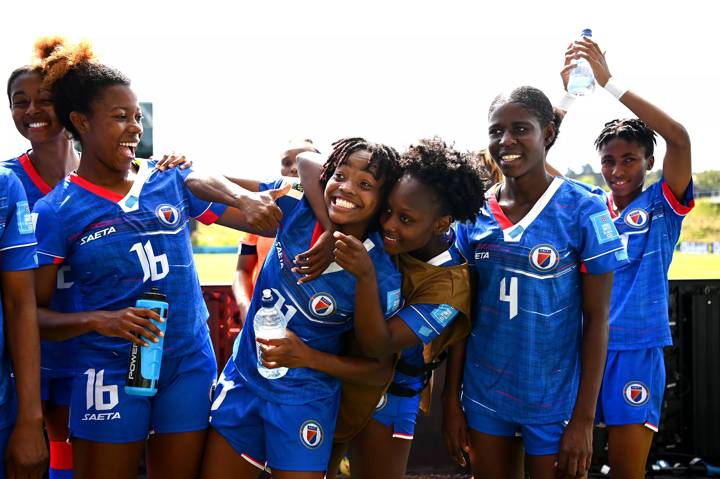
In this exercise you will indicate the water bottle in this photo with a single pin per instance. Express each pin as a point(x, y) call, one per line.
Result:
point(144, 368)
point(268, 324)
point(582, 80)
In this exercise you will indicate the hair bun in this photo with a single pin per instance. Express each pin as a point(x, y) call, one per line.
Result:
point(46, 46)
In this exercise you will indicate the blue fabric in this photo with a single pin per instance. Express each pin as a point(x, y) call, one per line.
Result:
point(400, 412)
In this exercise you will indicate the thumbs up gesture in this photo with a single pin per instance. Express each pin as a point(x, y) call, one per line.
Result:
point(260, 209)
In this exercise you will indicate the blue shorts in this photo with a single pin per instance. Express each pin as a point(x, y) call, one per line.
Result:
point(5, 432)
point(400, 412)
point(632, 388)
point(56, 386)
point(539, 439)
point(270, 435)
point(101, 410)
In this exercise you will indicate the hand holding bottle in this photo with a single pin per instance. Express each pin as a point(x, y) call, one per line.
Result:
point(588, 50)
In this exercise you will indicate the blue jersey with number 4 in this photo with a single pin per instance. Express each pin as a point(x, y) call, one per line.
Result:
point(523, 354)
point(120, 247)
point(318, 312)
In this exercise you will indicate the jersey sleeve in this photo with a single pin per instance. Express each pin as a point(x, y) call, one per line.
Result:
point(601, 249)
point(675, 211)
point(52, 246)
point(291, 199)
point(17, 244)
point(427, 321)
point(205, 212)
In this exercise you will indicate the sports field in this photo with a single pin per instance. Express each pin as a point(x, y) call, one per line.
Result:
point(219, 268)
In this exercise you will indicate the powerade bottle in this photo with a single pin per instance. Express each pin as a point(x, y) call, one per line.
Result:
point(268, 324)
point(582, 80)
point(144, 368)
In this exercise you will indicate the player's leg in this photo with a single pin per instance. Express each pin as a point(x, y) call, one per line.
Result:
point(339, 450)
point(221, 460)
point(542, 445)
point(57, 390)
point(109, 461)
point(176, 455)
point(495, 456)
point(376, 453)
point(631, 398)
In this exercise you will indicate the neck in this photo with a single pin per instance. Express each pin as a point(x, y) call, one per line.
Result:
point(54, 160)
point(526, 189)
point(437, 245)
point(359, 231)
point(96, 171)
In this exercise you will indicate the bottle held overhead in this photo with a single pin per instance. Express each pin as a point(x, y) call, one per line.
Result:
point(581, 81)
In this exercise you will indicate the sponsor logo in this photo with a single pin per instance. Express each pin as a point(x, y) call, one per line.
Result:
point(322, 305)
point(311, 434)
point(168, 215)
point(636, 217)
point(101, 416)
point(544, 258)
point(636, 393)
point(482, 255)
point(392, 301)
point(382, 403)
point(24, 218)
point(97, 235)
point(604, 227)
point(443, 314)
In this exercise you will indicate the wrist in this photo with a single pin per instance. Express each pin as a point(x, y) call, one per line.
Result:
point(615, 88)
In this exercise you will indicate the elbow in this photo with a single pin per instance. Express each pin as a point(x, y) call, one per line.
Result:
point(678, 136)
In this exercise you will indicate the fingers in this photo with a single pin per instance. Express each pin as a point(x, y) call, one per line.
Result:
point(277, 193)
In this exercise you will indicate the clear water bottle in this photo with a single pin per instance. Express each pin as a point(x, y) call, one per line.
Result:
point(268, 323)
point(582, 80)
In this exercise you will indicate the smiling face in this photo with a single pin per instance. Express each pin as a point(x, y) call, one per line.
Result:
point(412, 218)
point(352, 194)
point(517, 140)
point(624, 165)
point(32, 110)
point(112, 130)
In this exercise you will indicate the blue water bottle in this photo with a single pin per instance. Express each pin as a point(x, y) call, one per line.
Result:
point(144, 368)
point(582, 80)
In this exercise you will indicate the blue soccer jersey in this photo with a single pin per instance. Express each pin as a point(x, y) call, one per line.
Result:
point(119, 247)
point(318, 312)
point(523, 354)
point(35, 187)
point(427, 321)
point(649, 227)
point(17, 253)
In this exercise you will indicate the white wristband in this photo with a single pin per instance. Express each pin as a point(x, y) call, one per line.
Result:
point(615, 89)
point(566, 102)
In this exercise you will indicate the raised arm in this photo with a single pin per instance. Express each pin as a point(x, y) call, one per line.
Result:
point(677, 166)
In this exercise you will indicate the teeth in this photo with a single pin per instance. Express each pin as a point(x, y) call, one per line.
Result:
point(38, 124)
point(510, 157)
point(344, 204)
point(391, 240)
point(129, 145)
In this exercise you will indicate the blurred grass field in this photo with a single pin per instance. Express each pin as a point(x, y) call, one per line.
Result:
point(219, 268)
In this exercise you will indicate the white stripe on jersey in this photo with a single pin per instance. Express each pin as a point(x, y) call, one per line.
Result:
point(538, 276)
point(18, 246)
point(603, 254)
point(534, 212)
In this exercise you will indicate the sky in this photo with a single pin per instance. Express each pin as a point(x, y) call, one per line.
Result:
point(232, 82)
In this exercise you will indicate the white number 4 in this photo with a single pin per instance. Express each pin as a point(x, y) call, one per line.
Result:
point(95, 391)
point(154, 267)
point(511, 296)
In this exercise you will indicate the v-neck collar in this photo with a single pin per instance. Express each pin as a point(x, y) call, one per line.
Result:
point(129, 202)
point(512, 232)
point(33, 174)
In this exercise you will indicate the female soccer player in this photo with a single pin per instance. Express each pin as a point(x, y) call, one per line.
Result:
point(543, 251)
point(122, 231)
point(287, 424)
point(22, 445)
point(438, 186)
point(649, 221)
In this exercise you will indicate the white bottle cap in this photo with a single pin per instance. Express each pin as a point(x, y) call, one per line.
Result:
point(267, 294)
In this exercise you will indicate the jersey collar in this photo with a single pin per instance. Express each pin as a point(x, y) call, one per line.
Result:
point(129, 202)
point(33, 174)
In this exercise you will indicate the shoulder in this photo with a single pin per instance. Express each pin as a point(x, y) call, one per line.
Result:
point(583, 195)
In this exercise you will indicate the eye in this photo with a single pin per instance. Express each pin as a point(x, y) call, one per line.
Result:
point(20, 104)
point(138, 118)
point(494, 132)
point(521, 130)
point(404, 219)
point(366, 185)
point(338, 176)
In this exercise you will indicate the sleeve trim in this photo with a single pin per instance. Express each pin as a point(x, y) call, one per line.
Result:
point(208, 216)
point(676, 206)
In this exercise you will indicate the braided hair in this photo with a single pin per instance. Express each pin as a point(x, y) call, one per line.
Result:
point(453, 176)
point(631, 130)
point(536, 102)
point(383, 163)
point(76, 79)
point(44, 47)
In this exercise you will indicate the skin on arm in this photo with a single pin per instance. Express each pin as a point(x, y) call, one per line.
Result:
point(133, 324)
point(454, 425)
point(242, 286)
point(677, 165)
point(26, 453)
point(576, 443)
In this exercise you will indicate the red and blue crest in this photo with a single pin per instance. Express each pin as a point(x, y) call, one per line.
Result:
point(636, 217)
point(167, 214)
point(322, 305)
point(544, 258)
point(636, 393)
point(311, 434)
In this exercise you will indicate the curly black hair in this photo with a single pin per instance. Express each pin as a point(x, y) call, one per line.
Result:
point(453, 176)
point(76, 80)
point(629, 129)
point(383, 164)
point(44, 48)
point(536, 102)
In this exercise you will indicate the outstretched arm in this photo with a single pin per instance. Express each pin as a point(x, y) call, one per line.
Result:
point(677, 165)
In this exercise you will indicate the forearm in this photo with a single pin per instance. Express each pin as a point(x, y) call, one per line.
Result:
point(55, 326)
point(670, 130)
point(454, 371)
point(217, 189)
point(370, 327)
point(241, 288)
point(373, 372)
point(309, 172)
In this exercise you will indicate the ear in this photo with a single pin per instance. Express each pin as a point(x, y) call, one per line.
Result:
point(442, 224)
point(650, 163)
point(550, 133)
point(80, 122)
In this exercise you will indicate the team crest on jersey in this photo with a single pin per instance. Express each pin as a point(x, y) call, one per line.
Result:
point(382, 403)
point(311, 434)
point(636, 393)
point(636, 217)
point(168, 215)
point(322, 305)
point(544, 258)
